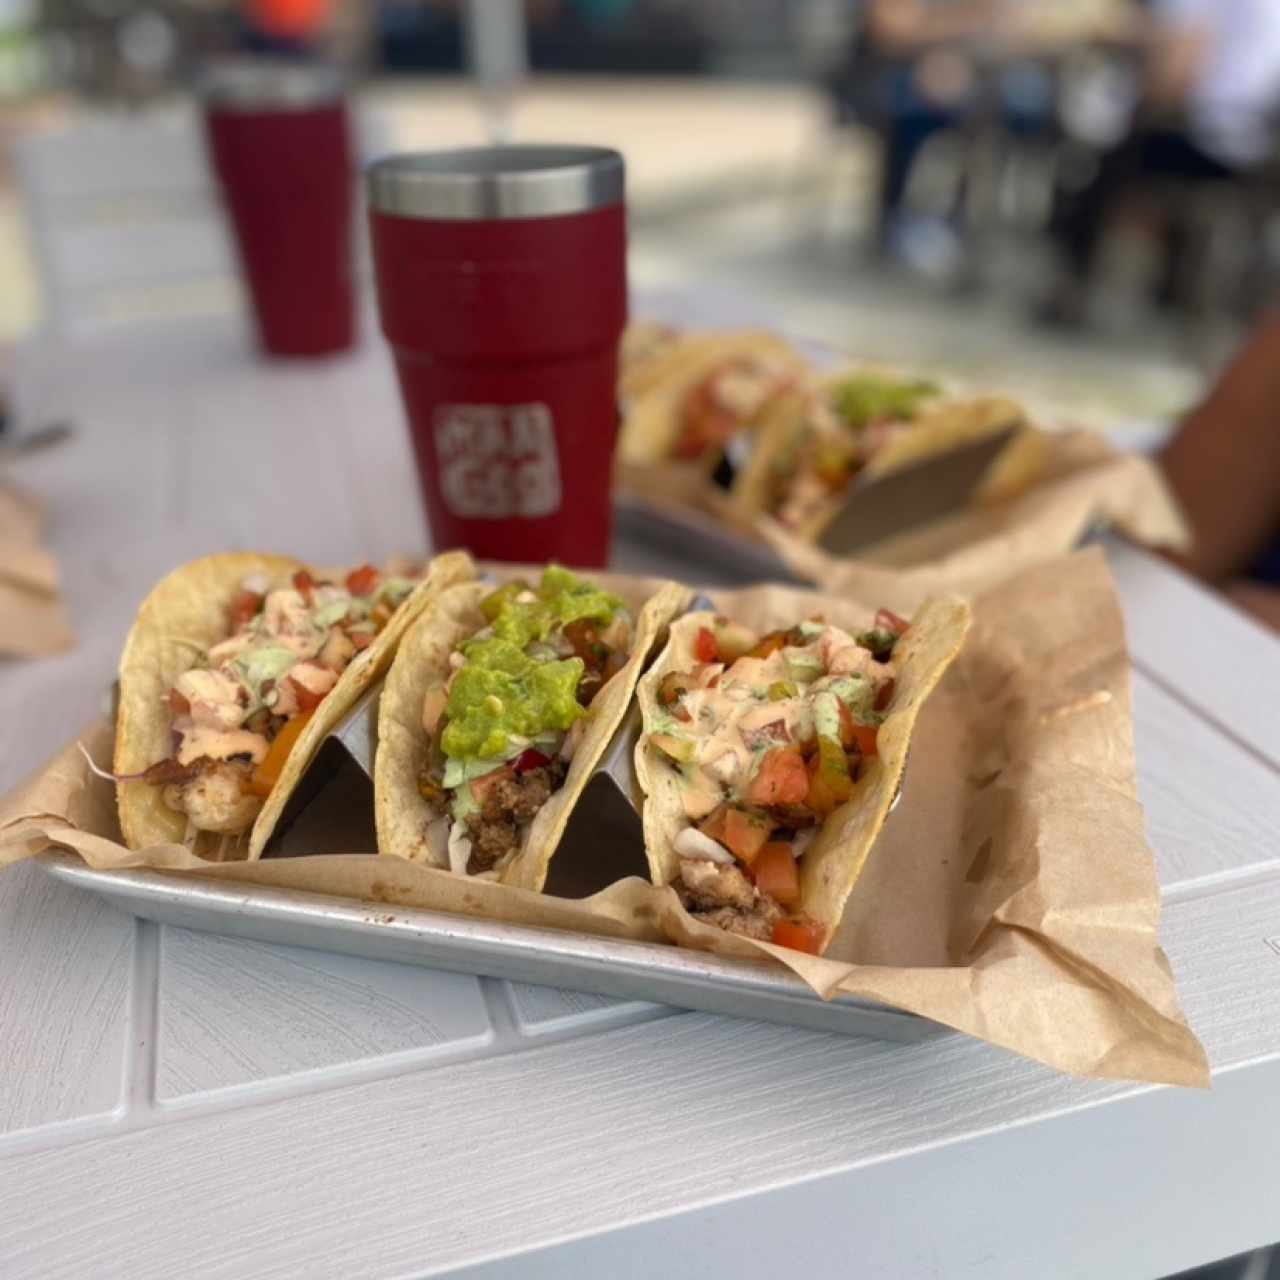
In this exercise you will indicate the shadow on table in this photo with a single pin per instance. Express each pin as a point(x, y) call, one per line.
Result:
point(1262, 1264)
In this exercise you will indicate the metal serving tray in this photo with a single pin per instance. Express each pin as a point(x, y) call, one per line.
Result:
point(332, 815)
point(608, 967)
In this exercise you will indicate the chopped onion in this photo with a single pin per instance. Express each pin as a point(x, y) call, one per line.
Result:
point(258, 583)
point(725, 767)
point(459, 849)
point(708, 674)
point(691, 843)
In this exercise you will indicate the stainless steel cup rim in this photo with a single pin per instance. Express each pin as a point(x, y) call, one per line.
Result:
point(269, 84)
point(486, 183)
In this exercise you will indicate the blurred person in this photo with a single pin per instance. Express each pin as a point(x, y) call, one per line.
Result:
point(285, 27)
point(1224, 466)
point(1212, 86)
point(930, 82)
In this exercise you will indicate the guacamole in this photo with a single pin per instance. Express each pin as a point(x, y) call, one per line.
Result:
point(520, 678)
point(869, 397)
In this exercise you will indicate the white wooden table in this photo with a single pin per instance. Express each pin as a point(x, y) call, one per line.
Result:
point(179, 1104)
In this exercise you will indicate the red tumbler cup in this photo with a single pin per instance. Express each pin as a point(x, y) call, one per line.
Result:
point(279, 140)
point(502, 285)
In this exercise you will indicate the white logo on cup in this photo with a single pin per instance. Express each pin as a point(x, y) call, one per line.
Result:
point(497, 461)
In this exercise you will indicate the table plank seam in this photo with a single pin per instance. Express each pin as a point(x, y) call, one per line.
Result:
point(1220, 882)
point(144, 1022)
point(141, 1110)
point(1208, 715)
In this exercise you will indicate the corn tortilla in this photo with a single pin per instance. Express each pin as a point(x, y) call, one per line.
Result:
point(186, 614)
point(401, 812)
point(831, 866)
point(652, 421)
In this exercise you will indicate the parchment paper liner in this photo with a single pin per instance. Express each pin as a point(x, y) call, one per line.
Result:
point(1012, 894)
point(1086, 484)
point(33, 616)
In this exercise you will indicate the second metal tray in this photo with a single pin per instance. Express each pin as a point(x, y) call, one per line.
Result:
point(605, 966)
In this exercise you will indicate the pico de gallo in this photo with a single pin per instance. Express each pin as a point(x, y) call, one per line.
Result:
point(504, 726)
point(769, 734)
point(237, 712)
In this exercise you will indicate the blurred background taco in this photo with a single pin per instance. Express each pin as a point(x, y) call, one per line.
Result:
point(820, 437)
point(692, 400)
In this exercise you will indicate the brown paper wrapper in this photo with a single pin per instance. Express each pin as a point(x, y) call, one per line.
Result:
point(1085, 485)
point(33, 618)
point(1011, 895)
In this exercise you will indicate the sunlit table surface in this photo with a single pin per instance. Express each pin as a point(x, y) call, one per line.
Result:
point(173, 1103)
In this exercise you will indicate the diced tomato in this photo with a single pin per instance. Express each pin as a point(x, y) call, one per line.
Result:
point(713, 824)
point(865, 737)
point(530, 759)
point(705, 648)
point(745, 834)
point(848, 727)
point(776, 874)
point(361, 639)
point(363, 581)
point(267, 774)
point(884, 695)
point(305, 585)
point(887, 620)
point(781, 779)
point(307, 699)
point(481, 786)
point(799, 935)
point(243, 608)
point(178, 704)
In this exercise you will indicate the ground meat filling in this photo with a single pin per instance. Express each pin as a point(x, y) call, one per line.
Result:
point(510, 804)
point(719, 894)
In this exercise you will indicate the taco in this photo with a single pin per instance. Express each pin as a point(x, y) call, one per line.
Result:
point(769, 763)
point(819, 439)
point(496, 710)
point(704, 392)
point(235, 670)
point(642, 355)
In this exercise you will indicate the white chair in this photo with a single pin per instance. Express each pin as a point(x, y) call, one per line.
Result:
point(126, 222)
